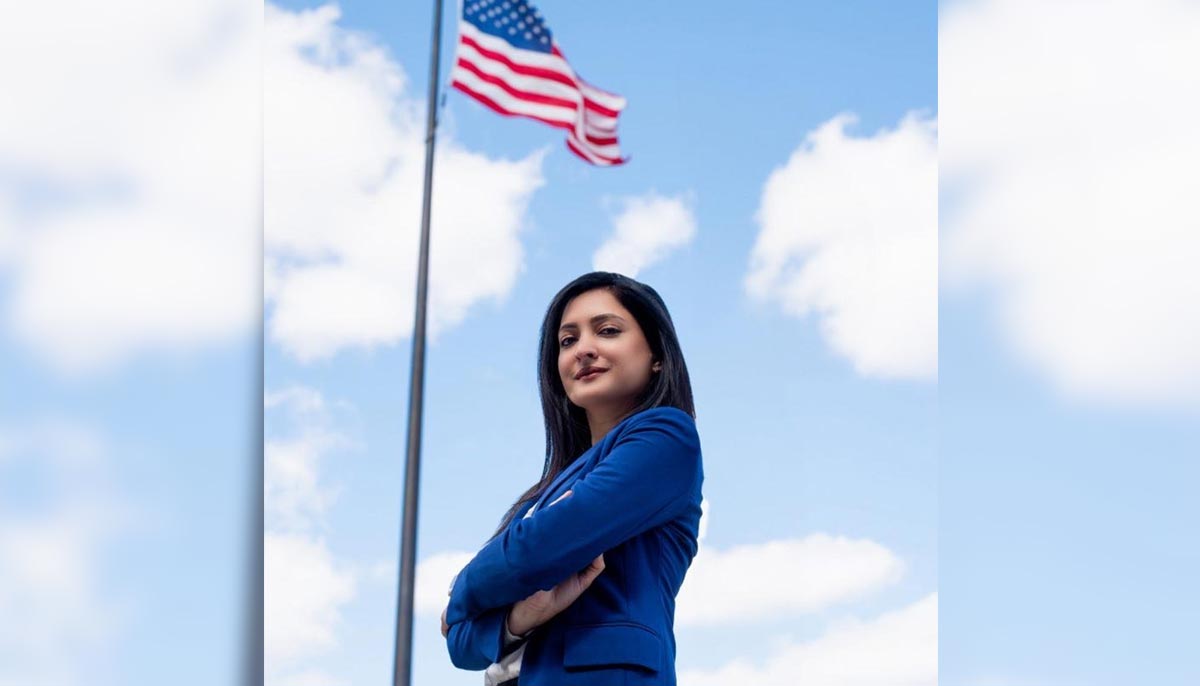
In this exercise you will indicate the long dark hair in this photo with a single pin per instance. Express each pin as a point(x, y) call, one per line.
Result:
point(567, 432)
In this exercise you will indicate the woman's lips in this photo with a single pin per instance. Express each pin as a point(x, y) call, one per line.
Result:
point(592, 375)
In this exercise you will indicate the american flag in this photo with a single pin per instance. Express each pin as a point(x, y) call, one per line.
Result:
point(508, 60)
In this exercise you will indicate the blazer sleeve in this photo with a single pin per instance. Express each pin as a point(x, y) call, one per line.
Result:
point(644, 481)
point(478, 642)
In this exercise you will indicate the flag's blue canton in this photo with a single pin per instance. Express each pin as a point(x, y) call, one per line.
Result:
point(515, 21)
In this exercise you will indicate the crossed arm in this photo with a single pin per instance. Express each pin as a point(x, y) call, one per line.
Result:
point(477, 643)
point(473, 645)
point(473, 641)
point(644, 481)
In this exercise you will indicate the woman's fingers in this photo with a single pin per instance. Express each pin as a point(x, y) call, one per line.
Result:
point(540, 607)
point(589, 574)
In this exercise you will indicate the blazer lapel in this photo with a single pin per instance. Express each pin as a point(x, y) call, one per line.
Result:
point(556, 485)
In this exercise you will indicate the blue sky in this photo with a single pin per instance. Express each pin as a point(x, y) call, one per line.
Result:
point(1066, 526)
point(797, 443)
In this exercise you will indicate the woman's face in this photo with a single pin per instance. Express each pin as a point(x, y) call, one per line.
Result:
point(596, 331)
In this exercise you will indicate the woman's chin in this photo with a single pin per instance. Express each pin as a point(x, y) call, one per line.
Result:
point(599, 405)
point(588, 401)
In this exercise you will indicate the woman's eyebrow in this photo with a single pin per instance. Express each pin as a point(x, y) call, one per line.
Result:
point(593, 320)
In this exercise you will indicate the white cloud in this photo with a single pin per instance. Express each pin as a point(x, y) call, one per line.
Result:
point(8, 233)
point(295, 499)
point(304, 589)
point(1072, 168)
point(58, 614)
point(899, 648)
point(647, 229)
point(131, 178)
point(344, 162)
point(306, 585)
point(312, 678)
point(433, 580)
point(780, 578)
point(299, 399)
point(849, 232)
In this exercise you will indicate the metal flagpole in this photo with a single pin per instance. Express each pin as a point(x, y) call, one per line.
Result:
point(402, 665)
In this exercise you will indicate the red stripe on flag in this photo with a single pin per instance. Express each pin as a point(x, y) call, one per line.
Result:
point(597, 140)
point(539, 72)
point(499, 109)
point(571, 146)
point(574, 148)
point(518, 94)
point(597, 107)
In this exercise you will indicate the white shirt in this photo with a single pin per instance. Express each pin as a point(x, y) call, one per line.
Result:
point(509, 665)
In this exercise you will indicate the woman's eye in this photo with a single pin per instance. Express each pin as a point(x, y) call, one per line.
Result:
point(564, 341)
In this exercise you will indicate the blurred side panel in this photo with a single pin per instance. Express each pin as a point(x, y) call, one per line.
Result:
point(1070, 341)
point(130, 344)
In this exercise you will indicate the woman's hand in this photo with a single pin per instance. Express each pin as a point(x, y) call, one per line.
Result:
point(540, 607)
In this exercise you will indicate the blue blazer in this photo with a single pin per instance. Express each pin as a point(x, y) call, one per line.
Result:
point(636, 498)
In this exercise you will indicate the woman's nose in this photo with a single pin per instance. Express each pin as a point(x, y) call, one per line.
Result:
point(585, 349)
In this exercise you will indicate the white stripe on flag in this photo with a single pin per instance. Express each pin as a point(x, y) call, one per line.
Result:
point(602, 122)
point(498, 95)
point(521, 82)
point(582, 150)
point(609, 100)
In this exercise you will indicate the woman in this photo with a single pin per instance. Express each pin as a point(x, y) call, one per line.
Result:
point(577, 586)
